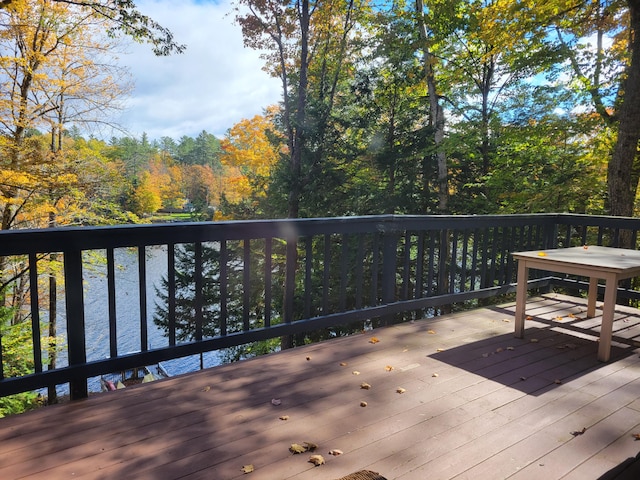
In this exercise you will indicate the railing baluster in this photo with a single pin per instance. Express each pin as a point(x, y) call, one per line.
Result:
point(268, 280)
point(326, 269)
point(171, 292)
point(111, 294)
point(35, 313)
point(246, 283)
point(224, 287)
point(142, 288)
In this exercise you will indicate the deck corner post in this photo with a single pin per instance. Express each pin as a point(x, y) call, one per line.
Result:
point(74, 299)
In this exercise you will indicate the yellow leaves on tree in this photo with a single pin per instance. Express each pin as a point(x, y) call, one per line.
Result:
point(248, 157)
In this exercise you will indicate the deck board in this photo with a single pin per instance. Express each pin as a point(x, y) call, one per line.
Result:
point(479, 404)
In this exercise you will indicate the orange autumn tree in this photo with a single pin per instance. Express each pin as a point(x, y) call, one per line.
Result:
point(249, 154)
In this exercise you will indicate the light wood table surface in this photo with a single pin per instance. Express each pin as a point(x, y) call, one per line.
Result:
point(596, 263)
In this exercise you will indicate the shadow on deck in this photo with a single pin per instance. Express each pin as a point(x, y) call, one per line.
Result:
point(476, 403)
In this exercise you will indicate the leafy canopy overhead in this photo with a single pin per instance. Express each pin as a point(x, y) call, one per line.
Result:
point(124, 17)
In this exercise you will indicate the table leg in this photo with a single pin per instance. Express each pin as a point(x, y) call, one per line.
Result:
point(592, 297)
point(608, 309)
point(521, 297)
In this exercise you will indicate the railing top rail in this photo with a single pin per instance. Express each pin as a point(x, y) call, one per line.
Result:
point(15, 242)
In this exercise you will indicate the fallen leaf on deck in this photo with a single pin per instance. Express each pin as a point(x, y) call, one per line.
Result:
point(276, 401)
point(316, 459)
point(435, 375)
point(571, 315)
point(308, 358)
point(297, 448)
point(511, 348)
point(431, 332)
point(579, 432)
point(388, 368)
point(499, 349)
point(506, 320)
point(636, 436)
point(534, 340)
point(440, 350)
point(355, 372)
point(557, 382)
point(374, 340)
point(343, 364)
point(400, 390)
point(247, 468)
point(365, 386)
point(284, 417)
point(529, 317)
point(310, 446)
point(558, 318)
point(206, 389)
point(363, 404)
point(335, 452)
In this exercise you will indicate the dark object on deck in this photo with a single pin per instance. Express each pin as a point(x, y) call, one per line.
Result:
point(627, 470)
point(363, 475)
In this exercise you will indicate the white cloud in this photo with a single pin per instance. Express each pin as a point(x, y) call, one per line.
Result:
point(214, 84)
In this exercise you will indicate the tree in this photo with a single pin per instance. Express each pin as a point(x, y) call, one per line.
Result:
point(249, 156)
point(123, 16)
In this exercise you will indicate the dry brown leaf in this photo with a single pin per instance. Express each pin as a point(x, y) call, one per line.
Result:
point(365, 386)
point(558, 318)
point(247, 468)
point(558, 381)
point(388, 368)
point(571, 315)
point(506, 320)
point(440, 350)
point(579, 432)
point(636, 436)
point(297, 448)
point(363, 404)
point(499, 349)
point(431, 332)
point(435, 375)
point(316, 460)
point(284, 417)
point(400, 390)
point(206, 389)
point(310, 446)
point(343, 364)
point(511, 348)
point(335, 452)
point(374, 340)
point(529, 317)
point(355, 372)
point(534, 340)
point(308, 358)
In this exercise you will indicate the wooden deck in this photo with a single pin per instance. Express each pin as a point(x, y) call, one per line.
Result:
point(478, 404)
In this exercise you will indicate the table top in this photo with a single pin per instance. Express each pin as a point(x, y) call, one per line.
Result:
point(603, 258)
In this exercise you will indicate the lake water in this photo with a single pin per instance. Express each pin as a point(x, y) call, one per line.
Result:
point(127, 311)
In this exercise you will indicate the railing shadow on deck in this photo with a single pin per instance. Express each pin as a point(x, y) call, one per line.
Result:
point(232, 283)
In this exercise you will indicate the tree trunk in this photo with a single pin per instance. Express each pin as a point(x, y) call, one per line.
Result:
point(436, 113)
point(622, 176)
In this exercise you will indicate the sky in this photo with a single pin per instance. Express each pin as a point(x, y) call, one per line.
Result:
point(213, 85)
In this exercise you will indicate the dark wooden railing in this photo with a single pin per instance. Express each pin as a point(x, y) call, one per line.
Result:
point(248, 281)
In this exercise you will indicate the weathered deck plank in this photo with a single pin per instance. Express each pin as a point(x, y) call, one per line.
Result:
point(479, 404)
